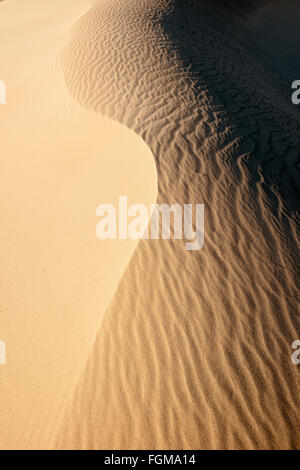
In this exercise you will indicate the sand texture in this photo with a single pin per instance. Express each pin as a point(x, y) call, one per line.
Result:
point(158, 347)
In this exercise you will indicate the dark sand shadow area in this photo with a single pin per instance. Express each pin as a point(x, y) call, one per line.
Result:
point(249, 76)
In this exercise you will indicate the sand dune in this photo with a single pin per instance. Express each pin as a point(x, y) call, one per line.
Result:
point(194, 350)
point(154, 347)
point(58, 163)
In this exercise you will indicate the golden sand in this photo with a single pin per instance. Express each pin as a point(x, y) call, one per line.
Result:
point(126, 345)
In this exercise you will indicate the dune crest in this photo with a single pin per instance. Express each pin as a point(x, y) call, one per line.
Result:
point(195, 348)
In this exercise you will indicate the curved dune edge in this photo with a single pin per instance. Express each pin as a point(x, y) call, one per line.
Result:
point(195, 348)
point(58, 163)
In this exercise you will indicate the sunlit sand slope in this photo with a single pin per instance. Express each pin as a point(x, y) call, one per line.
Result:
point(58, 162)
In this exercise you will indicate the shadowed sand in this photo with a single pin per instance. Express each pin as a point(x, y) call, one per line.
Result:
point(120, 345)
point(195, 347)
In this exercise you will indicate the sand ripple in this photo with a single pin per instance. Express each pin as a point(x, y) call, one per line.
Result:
point(195, 348)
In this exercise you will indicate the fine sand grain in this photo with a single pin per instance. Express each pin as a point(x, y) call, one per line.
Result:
point(58, 163)
point(195, 348)
point(125, 345)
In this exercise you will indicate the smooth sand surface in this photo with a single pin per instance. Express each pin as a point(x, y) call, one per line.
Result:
point(58, 163)
point(194, 348)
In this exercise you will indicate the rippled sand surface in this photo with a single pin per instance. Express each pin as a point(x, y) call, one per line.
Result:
point(182, 349)
point(195, 347)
